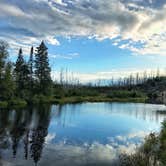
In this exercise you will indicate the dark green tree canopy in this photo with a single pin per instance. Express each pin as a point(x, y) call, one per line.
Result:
point(25, 79)
point(21, 73)
point(42, 68)
point(3, 56)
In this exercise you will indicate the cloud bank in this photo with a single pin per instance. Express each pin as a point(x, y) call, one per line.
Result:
point(140, 24)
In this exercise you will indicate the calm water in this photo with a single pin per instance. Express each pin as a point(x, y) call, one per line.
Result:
point(75, 134)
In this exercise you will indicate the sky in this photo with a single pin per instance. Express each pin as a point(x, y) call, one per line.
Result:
point(94, 39)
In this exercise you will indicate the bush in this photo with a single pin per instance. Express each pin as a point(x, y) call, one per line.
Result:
point(17, 103)
point(42, 99)
point(125, 94)
point(81, 92)
point(3, 104)
point(151, 153)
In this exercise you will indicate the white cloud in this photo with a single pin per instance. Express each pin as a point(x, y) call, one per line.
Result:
point(69, 56)
point(7, 9)
point(51, 40)
point(60, 2)
point(130, 20)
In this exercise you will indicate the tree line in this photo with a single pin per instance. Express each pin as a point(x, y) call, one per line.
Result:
point(67, 79)
point(24, 79)
point(30, 80)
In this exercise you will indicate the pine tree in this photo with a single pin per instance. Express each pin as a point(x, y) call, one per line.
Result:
point(30, 63)
point(42, 69)
point(19, 70)
point(21, 75)
point(26, 75)
point(3, 59)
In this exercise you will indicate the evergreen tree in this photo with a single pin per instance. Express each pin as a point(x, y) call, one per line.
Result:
point(21, 75)
point(3, 59)
point(42, 69)
point(8, 83)
point(26, 75)
point(19, 70)
point(30, 63)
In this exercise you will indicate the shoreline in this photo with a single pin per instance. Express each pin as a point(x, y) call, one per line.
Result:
point(66, 100)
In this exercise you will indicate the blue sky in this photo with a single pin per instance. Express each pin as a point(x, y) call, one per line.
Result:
point(92, 38)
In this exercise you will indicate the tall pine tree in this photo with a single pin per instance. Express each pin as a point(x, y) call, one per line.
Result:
point(19, 70)
point(21, 75)
point(31, 65)
point(42, 69)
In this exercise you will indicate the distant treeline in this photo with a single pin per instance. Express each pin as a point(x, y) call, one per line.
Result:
point(68, 79)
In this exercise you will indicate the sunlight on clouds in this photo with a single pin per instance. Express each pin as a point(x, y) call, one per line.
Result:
point(51, 40)
point(60, 2)
point(128, 20)
point(7, 9)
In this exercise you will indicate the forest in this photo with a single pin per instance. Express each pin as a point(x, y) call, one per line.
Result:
point(21, 81)
point(29, 82)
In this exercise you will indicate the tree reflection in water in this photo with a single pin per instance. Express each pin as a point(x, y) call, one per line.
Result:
point(28, 127)
point(77, 132)
point(39, 134)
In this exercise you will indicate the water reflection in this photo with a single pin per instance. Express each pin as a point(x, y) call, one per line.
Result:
point(26, 128)
point(146, 112)
point(74, 133)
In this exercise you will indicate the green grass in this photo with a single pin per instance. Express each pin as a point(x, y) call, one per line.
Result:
point(97, 94)
point(14, 103)
point(96, 99)
point(17, 103)
point(79, 96)
point(3, 104)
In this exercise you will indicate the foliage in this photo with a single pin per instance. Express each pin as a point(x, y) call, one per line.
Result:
point(3, 104)
point(31, 81)
point(8, 83)
point(18, 83)
point(21, 71)
point(3, 59)
point(42, 70)
point(151, 153)
point(17, 103)
point(125, 93)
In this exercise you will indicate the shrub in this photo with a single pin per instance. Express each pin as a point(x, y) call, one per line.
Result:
point(151, 153)
point(3, 104)
point(125, 94)
point(17, 103)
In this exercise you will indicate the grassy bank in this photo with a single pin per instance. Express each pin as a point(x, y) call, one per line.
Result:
point(67, 100)
point(97, 94)
point(79, 95)
point(96, 99)
point(15, 103)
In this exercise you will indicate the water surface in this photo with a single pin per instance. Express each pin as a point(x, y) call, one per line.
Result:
point(75, 134)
